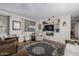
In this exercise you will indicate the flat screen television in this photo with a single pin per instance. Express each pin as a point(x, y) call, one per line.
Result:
point(48, 28)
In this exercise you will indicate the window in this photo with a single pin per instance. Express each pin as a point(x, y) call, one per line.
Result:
point(4, 24)
point(29, 26)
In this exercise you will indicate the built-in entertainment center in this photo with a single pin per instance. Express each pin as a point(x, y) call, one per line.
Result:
point(51, 26)
point(49, 29)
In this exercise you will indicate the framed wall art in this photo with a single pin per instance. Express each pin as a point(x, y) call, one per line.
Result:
point(16, 25)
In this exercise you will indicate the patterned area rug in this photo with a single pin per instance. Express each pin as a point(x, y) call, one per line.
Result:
point(45, 49)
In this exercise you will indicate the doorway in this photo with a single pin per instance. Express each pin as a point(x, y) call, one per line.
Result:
point(75, 28)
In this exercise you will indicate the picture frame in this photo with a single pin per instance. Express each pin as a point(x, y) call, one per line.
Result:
point(64, 23)
point(16, 25)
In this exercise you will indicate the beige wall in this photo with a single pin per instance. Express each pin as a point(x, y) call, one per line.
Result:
point(19, 33)
point(16, 17)
point(63, 34)
point(77, 30)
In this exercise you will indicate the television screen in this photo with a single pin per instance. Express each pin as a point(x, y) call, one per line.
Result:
point(48, 28)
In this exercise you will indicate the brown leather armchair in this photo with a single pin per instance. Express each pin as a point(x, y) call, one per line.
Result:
point(8, 46)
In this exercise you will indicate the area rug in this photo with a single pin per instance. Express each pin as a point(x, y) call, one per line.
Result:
point(44, 49)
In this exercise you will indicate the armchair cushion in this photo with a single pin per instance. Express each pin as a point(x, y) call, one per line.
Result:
point(9, 46)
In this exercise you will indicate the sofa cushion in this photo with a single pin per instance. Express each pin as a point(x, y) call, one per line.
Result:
point(2, 42)
point(7, 49)
point(9, 38)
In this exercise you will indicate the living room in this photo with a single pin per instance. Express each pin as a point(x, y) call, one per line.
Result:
point(34, 32)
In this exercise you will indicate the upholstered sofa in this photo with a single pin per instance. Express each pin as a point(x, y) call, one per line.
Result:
point(8, 46)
